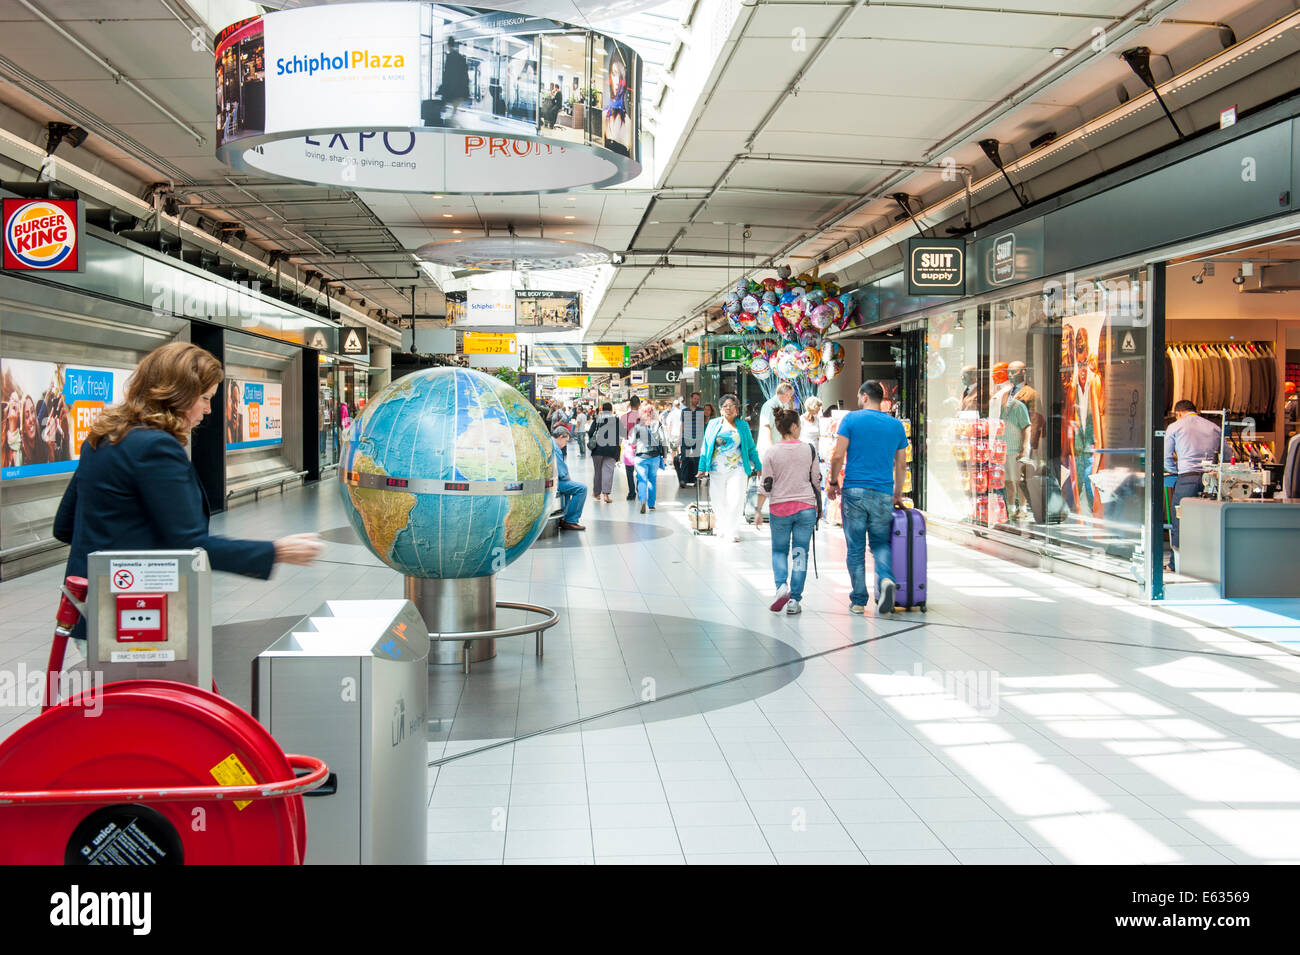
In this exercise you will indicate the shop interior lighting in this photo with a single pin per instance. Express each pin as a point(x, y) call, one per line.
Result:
point(1199, 277)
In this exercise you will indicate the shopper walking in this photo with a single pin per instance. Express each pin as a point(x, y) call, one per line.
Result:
point(1191, 445)
point(571, 493)
point(871, 446)
point(791, 481)
point(710, 413)
point(729, 457)
point(688, 457)
point(672, 422)
point(581, 422)
point(630, 421)
point(606, 441)
point(782, 398)
point(135, 489)
point(810, 426)
point(650, 443)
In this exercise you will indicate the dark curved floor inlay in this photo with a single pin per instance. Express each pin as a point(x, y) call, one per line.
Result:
point(340, 535)
point(600, 533)
point(678, 654)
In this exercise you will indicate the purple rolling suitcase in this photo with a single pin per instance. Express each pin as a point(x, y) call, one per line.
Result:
point(907, 546)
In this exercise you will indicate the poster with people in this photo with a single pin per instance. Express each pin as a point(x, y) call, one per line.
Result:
point(1083, 422)
point(620, 106)
point(253, 414)
point(48, 410)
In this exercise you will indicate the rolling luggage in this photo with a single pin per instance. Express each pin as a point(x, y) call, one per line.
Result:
point(751, 498)
point(907, 547)
point(1043, 492)
point(700, 514)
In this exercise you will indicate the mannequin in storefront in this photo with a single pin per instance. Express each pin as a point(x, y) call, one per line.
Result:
point(1014, 415)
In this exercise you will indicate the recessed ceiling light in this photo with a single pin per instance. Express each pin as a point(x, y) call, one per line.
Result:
point(570, 217)
point(437, 197)
point(1060, 51)
point(447, 215)
point(455, 231)
point(569, 233)
point(573, 198)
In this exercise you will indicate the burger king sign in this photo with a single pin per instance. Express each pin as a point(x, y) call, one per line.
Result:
point(42, 235)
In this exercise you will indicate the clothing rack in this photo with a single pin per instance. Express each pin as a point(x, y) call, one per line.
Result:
point(1240, 377)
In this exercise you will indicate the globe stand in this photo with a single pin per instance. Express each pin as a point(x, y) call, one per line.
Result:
point(462, 616)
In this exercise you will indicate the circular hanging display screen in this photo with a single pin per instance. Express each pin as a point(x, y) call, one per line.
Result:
point(394, 97)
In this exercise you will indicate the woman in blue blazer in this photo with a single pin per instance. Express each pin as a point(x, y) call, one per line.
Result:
point(729, 455)
point(135, 488)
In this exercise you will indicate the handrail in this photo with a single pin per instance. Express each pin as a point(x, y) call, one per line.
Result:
point(552, 618)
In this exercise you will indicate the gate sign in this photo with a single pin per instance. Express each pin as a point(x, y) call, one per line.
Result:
point(936, 266)
point(43, 235)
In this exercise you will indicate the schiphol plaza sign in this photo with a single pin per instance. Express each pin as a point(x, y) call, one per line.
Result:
point(394, 97)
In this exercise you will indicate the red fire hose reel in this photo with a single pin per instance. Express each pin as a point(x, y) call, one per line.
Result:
point(150, 772)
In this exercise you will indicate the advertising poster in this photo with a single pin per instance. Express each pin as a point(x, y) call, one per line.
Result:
point(548, 309)
point(482, 73)
point(48, 410)
point(362, 59)
point(252, 414)
point(241, 80)
point(619, 119)
point(490, 307)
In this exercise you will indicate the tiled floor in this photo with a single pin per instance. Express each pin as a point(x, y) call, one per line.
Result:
point(1023, 719)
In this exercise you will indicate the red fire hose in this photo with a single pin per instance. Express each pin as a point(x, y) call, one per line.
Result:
point(147, 772)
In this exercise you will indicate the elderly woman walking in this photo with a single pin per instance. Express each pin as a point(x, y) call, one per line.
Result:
point(727, 459)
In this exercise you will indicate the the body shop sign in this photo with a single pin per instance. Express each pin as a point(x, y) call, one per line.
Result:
point(42, 235)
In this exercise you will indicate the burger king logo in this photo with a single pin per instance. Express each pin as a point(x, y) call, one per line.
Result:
point(40, 234)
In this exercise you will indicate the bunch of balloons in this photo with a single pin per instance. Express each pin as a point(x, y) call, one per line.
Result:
point(800, 310)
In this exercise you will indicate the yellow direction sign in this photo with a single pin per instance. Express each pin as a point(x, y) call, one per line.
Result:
point(490, 343)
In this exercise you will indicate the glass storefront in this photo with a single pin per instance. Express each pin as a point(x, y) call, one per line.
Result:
point(1036, 418)
point(344, 390)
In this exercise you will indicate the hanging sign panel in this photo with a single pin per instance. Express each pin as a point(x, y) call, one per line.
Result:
point(936, 266)
point(489, 343)
point(43, 235)
point(252, 414)
point(400, 97)
point(48, 409)
point(609, 356)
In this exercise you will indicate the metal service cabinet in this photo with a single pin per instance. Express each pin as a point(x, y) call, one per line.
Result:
point(349, 684)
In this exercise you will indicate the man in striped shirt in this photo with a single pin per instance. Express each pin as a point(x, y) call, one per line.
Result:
point(692, 426)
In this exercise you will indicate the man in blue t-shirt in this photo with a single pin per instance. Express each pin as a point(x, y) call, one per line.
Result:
point(872, 448)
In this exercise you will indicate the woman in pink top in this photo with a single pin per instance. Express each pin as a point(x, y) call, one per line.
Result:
point(791, 479)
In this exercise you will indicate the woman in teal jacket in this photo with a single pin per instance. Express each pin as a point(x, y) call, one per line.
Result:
point(728, 457)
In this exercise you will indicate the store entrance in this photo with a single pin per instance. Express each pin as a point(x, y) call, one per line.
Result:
point(1232, 461)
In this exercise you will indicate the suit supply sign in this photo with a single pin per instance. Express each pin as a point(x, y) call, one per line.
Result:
point(936, 266)
point(252, 414)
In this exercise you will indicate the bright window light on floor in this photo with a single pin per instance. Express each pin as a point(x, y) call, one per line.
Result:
point(1255, 704)
point(1025, 780)
point(1064, 681)
point(1101, 729)
point(1234, 776)
point(1271, 835)
point(1104, 839)
point(1203, 673)
point(957, 734)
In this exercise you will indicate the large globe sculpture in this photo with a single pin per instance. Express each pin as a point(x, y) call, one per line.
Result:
point(448, 473)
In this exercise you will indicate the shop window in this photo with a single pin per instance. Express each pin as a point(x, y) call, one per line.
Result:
point(1036, 418)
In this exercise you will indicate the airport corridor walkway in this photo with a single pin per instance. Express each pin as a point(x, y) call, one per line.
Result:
point(674, 719)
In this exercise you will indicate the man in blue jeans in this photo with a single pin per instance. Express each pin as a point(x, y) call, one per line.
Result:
point(872, 448)
point(570, 492)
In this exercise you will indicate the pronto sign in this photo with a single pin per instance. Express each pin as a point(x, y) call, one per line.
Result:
point(936, 266)
point(42, 235)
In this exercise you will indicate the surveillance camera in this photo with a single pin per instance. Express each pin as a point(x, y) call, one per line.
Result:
point(1239, 278)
